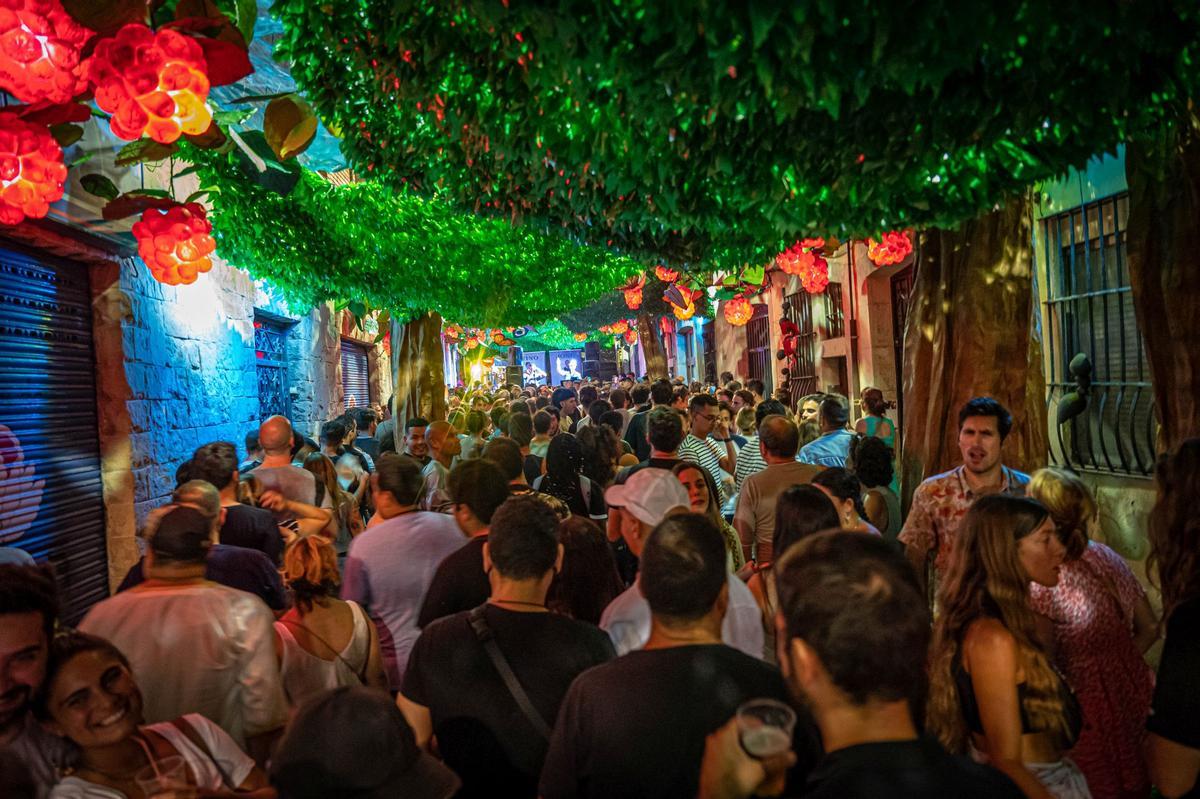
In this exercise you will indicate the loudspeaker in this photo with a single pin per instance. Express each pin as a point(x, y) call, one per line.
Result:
point(590, 370)
point(591, 351)
point(515, 354)
point(608, 370)
point(513, 376)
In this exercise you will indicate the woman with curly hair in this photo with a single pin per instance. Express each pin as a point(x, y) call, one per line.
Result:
point(601, 448)
point(704, 498)
point(1173, 745)
point(871, 461)
point(993, 691)
point(845, 491)
point(322, 642)
point(1102, 625)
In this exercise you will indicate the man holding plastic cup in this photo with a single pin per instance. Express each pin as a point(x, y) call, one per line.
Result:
point(852, 631)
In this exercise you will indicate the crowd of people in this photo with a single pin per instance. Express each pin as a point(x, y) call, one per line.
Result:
point(576, 592)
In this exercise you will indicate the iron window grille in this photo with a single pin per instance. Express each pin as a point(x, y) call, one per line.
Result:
point(835, 320)
point(270, 351)
point(758, 346)
point(1089, 310)
point(798, 308)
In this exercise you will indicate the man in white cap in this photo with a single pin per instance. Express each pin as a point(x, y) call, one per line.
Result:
point(638, 504)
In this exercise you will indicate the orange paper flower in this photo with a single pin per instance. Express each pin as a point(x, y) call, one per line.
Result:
point(738, 311)
point(619, 327)
point(581, 337)
point(666, 275)
point(175, 243)
point(31, 170)
point(631, 336)
point(804, 260)
point(39, 51)
point(154, 83)
point(894, 248)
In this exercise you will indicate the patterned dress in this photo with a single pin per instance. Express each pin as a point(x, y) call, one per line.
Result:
point(1092, 609)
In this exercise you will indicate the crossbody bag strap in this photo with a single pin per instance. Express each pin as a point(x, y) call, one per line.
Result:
point(189, 731)
point(484, 633)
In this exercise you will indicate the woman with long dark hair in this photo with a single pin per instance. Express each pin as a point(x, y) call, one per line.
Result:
point(845, 490)
point(601, 449)
point(564, 479)
point(1173, 746)
point(871, 462)
point(993, 691)
point(704, 498)
point(588, 580)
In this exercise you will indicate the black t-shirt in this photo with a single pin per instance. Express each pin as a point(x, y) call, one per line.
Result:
point(1175, 711)
point(237, 567)
point(532, 468)
point(918, 769)
point(635, 435)
point(636, 727)
point(482, 733)
point(458, 584)
point(252, 528)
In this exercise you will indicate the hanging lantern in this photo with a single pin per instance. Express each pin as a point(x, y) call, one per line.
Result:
point(175, 242)
point(452, 333)
point(893, 249)
point(153, 83)
point(631, 337)
point(633, 291)
point(666, 275)
point(39, 51)
point(620, 327)
point(682, 301)
point(606, 329)
point(804, 260)
point(581, 337)
point(31, 170)
point(738, 311)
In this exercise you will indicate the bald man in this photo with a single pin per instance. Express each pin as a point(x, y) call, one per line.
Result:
point(277, 472)
point(754, 519)
point(444, 446)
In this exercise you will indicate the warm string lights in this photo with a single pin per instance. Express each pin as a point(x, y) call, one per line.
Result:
point(31, 170)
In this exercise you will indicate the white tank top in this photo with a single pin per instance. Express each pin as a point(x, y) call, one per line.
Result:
point(304, 674)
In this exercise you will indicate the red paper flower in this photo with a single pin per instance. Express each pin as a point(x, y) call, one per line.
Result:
point(581, 337)
point(151, 82)
point(666, 275)
point(175, 243)
point(894, 248)
point(804, 260)
point(452, 332)
point(738, 311)
point(631, 336)
point(633, 291)
point(39, 51)
point(31, 170)
point(620, 327)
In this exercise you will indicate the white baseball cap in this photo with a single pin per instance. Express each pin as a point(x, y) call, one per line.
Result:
point(649, 494)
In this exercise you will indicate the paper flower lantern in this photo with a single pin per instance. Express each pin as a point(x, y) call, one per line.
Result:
point(666, 275)
point(633, 292)
point(39, 51)
point(175, 242)
point(804, 260)
point(452, 332)
point(630, 337)
point(738, 311)
point(581, 337)
point(893, 249)
point(153, 83)
point(682, 301)
point(620, 327)
point(31, 170)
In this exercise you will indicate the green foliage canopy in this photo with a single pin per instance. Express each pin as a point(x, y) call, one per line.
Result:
point(403, 253)
point(716, 131)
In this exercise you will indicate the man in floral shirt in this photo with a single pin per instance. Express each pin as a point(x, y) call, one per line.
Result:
point(941, 501)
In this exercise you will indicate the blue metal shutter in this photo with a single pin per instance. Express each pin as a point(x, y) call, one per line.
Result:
point(51, 501)
point(355, 381)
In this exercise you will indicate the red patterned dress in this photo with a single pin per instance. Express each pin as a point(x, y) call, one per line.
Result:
point(1092, 609)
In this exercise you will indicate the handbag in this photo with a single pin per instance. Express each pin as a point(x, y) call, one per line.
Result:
point(484, 633)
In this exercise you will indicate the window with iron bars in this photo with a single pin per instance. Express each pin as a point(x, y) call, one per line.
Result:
point(835, 320)
point(1089, 312)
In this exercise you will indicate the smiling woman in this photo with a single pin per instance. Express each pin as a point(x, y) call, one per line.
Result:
point(91, 699)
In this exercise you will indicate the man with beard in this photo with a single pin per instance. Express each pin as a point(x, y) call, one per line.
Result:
point(28, 613)
point(941, 501)
point(853, 632)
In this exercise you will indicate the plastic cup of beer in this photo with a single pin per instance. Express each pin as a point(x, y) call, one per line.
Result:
point(765, 727)
point(168, 777)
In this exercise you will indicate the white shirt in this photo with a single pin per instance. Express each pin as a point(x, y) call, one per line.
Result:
point(234, 762)
point(627, 620)
point(202, 648)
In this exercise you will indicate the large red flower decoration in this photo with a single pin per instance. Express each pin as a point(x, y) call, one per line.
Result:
point(666, 275)
point(893, 249)
point(633, 291)
point(738, 311)
point(804, 260)
point(631, 336)
point(619, 327)
point(39, 51)
point(175, 242)
point(151, 82)
point(31, 170)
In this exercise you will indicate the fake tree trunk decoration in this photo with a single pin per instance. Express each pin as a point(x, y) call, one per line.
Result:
point(1163, 241)
point(972, 331)
point(652, 346)
point(417, 366)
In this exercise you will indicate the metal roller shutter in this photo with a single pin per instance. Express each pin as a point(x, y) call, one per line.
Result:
point(51, 502)
point(355, 382)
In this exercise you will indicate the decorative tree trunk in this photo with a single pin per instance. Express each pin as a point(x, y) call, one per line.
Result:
point(417, 365)
point(972, 331)
point(652, 346)
point(1163, 242)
